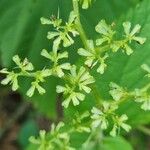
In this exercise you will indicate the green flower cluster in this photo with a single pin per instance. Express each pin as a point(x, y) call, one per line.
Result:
point(117, 92)
point(119, 122)
point(79, 124)
point(130, 35)
point(138, 95)
point(97, 53)
point(12, 77)
point(55, 139)
point(25, 68)
point(106, 115)
point(108, 34)
point(62, 33)
point(142, 96)
point(93, 58)
point(77, 83)
point(57, 68)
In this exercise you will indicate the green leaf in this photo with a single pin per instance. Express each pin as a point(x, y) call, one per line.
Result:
point(117, 143)
point(29, 128)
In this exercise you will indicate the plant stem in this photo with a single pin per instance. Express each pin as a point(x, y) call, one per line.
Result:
point(79, 25)
point(98, 99)
point(84, 39)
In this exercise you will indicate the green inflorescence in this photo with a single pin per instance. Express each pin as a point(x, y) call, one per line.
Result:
point(78, 81)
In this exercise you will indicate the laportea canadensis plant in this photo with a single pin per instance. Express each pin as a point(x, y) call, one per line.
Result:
point(78, 80)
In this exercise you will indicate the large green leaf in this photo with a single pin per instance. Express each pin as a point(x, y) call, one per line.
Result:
point(107, 143)
point(116, 143)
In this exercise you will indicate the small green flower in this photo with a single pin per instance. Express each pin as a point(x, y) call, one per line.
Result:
point(35, 85)
point(55, 57)
point(70, 95)
point(11, 78)
point(56, 128)
point(39, 78)
point(146, 105)
point(142, 96)
point(60, 139)
point(25, 65)
point(41, 141)
point(79, 123)
point(107, 36)
point(119, 122)
point(56, 131)
point(99, 119)
point(93, 58)
point(116, 45)
point(82, 78)
point(116, 91)
point(106, 31)
point(77, 84)
point(146, 68)
point(56, 22)
point(100, 116)
point(123, 45)
point(62, 33)
point(55, 139)
point(131, 34)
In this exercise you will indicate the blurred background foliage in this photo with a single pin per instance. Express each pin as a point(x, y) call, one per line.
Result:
point(21, 33)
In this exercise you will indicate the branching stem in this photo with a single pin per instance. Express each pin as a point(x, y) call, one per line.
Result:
point(84, 39)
